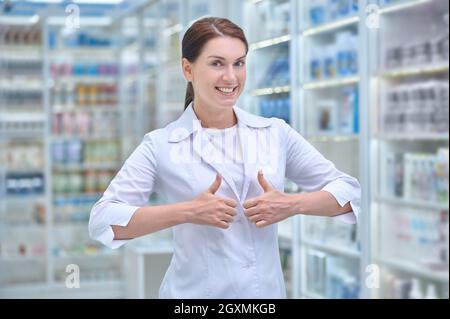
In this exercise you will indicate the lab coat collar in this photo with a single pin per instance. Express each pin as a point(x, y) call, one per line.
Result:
point(188, 123)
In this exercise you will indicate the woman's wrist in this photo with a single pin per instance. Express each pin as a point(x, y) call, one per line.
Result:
point(186, 211)
point(298, 203)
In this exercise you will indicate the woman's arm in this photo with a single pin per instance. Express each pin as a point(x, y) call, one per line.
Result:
point(151, 219)
point(206, 209)
point(321, 203)
point(274, 206)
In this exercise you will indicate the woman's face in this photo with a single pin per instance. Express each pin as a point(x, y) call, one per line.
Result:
point(218, 75)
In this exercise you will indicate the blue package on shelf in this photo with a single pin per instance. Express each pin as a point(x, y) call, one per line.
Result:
point(349, 113)
point(82, 39)
point(356, 111)
point(271, 108)
point(315, 64)
point(329, 64)
point(78, 69)
point(342, 61)
point(333, 13)
point(52, 40)
point(286, 73)
point(353, 56)
point(92, 69)
point(344, 7)
point(317, 12)
point(354, 6)
point(270, 74)
point(262, 108)
point(37, 182)
point(58, 153)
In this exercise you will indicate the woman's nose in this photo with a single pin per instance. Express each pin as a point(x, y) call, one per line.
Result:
point(229, 75)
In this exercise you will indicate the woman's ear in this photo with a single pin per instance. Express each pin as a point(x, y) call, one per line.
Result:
point(187, 69)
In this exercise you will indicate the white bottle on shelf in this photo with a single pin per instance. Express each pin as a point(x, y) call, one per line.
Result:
point(431, 292)
point(416, 292)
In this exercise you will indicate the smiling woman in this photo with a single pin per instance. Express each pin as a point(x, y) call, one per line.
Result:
point(221, 170)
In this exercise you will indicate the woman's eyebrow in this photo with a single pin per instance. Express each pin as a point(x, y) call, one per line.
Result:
point(222, 58)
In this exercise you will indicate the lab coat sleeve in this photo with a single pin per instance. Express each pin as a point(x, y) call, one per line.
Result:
point(129, 190)
point(311, 171)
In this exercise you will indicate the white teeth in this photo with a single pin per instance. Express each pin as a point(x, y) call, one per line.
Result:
point(226, 90)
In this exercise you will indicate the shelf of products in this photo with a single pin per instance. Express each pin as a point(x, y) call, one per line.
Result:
point(23, 243)
point(410, 143)
point(85, 148)
point(329, 99)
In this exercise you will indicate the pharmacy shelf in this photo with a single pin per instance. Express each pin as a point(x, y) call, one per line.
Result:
point(416, 70)
point(312, 295)
point(415, 269)
point(22, 135)
point(332, 138)
point(332, 83)
point(21, 84)
point(86, 166)
point(20, 56)
point(87, 79)
point(95, 54)
point(412, 203)
point(103, 255)
point(271, 90)
point(308, 39)
point(22, 259)
point(331, 26)
point(91, 138)
point(19, 50)
point(86, 108)
point(331, 248)
point(270, 42)
point(411, 136)
point(413, 141)
point(58, 290)
point(402, 5)
point(23, 197)
point(25, 170)
point(77, 195)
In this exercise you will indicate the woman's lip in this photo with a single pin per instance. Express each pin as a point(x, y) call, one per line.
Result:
point(228, 94)
point(227, 87)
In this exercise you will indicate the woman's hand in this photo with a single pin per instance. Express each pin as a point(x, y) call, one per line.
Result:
point(271, 207)
point(213, 210)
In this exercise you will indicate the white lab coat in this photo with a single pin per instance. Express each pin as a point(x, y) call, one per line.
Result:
point(209, 262)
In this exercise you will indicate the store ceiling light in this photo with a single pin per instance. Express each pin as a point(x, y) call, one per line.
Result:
point(98, 1)
point(46, 1)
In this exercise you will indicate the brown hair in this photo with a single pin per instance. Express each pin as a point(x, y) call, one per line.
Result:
point(198, 34)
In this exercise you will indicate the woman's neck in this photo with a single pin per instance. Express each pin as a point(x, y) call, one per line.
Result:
point(213, 118)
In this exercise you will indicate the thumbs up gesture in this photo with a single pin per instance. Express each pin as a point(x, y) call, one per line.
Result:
point(270, 207)
point(211, 209)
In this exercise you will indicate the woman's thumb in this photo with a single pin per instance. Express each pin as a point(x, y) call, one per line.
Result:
point(215, 186)
point(262, 181)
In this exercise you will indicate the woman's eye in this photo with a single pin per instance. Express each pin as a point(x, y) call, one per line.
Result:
point(217, 63)
point(240, 63)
